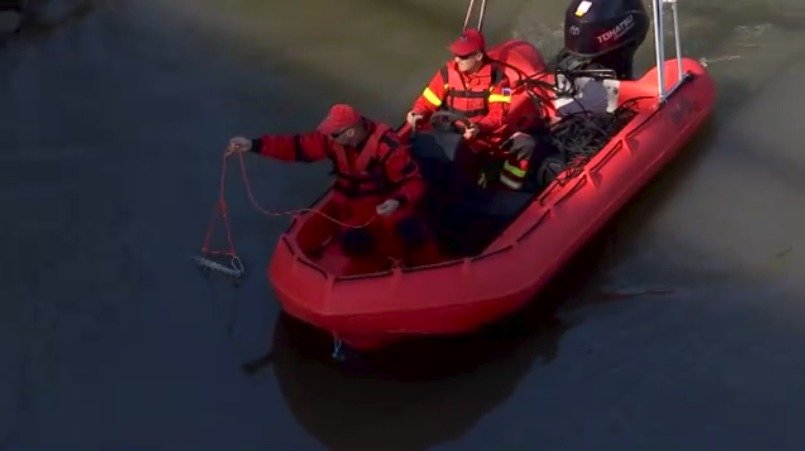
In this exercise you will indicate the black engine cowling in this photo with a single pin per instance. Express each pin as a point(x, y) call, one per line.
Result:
point(603, 34)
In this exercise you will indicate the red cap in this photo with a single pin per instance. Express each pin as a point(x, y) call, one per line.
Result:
point(470, 41)
point(340, 117)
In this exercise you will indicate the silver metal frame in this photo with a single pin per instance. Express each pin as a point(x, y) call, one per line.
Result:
point(480, 15)
point(659, 42)
point(659, 46)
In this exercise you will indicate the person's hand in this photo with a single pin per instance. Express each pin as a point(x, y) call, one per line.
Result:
point(388, 207)
point(471, 131)
point(239, 144)
point(413, 117)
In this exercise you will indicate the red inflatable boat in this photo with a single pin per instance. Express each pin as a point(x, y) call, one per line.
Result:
point(465, 291)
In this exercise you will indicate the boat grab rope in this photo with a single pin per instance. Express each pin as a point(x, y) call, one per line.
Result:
point(221, 212)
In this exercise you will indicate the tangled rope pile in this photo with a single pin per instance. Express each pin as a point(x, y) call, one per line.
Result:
point(579, 136)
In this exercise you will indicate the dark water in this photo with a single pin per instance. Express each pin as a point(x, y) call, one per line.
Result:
point(679, 327)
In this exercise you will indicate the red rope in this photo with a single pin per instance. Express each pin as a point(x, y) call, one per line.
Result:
point(221, 211)
point(262, 210)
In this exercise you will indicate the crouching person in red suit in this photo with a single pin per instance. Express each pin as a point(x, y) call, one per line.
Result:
point(375, 178)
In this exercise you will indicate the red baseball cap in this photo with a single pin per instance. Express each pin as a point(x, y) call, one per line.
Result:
point(470, 41)
point(340, 117)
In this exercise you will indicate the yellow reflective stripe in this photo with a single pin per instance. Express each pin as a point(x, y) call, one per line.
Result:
point(514, 170)
point(499, 98)
point(431, 97)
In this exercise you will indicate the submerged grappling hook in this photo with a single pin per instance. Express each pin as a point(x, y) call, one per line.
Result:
point(235, 270)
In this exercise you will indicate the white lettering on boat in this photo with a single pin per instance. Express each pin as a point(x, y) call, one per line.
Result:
point(618, 31)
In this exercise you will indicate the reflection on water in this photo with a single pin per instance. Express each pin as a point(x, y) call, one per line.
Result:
point(28, 19)
point(408, 398)
point(419, 393)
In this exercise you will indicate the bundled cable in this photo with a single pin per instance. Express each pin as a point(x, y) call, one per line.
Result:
point(579, 136)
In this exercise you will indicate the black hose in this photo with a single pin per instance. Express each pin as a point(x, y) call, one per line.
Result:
point(579, 136)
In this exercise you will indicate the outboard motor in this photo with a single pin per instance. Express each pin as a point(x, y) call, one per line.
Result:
point(603, 34)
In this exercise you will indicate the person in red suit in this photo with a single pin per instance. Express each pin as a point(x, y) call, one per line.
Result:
point(375, 177)
point(476, 87)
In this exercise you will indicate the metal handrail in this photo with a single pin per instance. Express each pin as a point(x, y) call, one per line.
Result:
point(469, 13)
point(659, 46)
point(480, 15)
